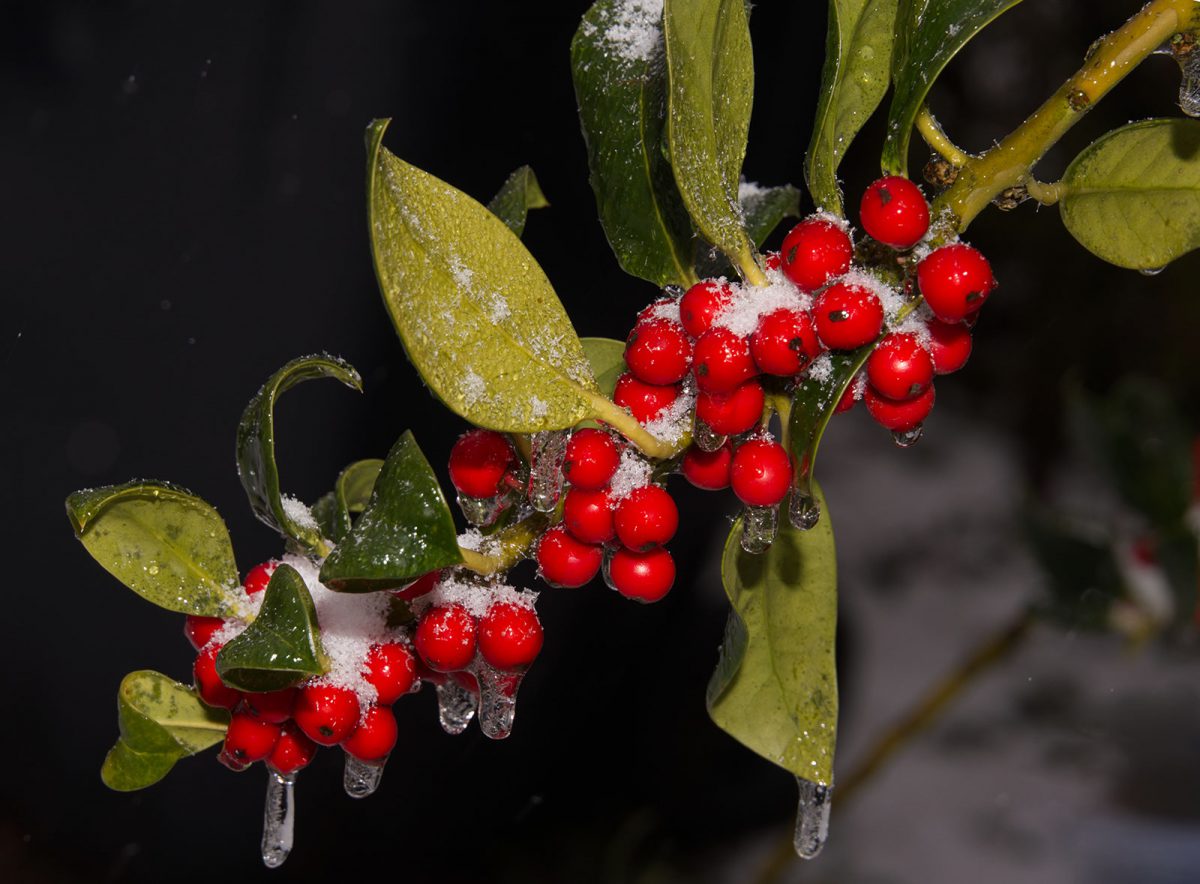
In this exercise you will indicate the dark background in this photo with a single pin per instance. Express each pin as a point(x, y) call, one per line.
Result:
point(183, 213)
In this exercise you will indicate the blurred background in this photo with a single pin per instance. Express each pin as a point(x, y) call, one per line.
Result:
point(184, 212)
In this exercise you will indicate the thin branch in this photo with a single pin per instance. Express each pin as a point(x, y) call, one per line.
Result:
point(935, 136)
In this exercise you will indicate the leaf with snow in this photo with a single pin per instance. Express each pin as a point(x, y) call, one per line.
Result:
point(813, 404)
point(764, 207)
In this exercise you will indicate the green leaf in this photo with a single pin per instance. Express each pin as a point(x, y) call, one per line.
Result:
point(167, 545)
point(775, 685)
point(621, 90)
point(1132, 197)
point(474, 310)
point(1082, 573)
point(607, 358)
point(405, 532)
point(928, 34)
point(813, 405)
point(520, 193)
point(282, 646)
point(710, 70)
point(256, 447)
point(858, 59)
point(764, 207)
point(161, 721)
point(350, 494)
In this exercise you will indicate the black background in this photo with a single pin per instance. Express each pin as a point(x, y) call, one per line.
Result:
point(183, 209)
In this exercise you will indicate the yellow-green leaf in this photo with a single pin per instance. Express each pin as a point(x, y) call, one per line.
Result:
point(607, 358)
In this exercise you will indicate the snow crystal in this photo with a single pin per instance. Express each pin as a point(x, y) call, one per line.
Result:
point(472, 540)
point(476, 597)
point(672, 423)
point(463, 275)
point(749, 303)
point(667, 308)
point(821, 369)
point(632, 472)
point(636, 29)
point(858, 386)
point(749, 191)
point(537, 408)
point(300, 514)
point(472, 387)
point(893, 300)
point(497, 308)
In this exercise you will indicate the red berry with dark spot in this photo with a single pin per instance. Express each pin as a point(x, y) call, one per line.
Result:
point(392, 670)
point(785, 342)
point(292, 751)
point(708, 469)
point(326, 713)
point(847, 316)
point(815, 251)
point(761, 472)
point(445, 637)
point(894, 212)
point(273, 706)
point(591, 459)
point(567, 562)
point(588, 515)
point(949, 345)
point(644, 401)
point(212, 690)
point(658, 351)
point(701, 304)
point(478, 462)
point(900, 368)
point(722, 360)
point(899, 416)
point(732, 413)
point(955, 281)
point(418, 587)
point(643, 577)
point(200, 630)
point(646, 518)
point(375, 736)
point(247, 740)
point(510, 636)
point(259, 576)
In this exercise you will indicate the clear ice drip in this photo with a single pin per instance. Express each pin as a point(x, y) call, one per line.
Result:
point(456, 706)
point(548, 450)
point(361, 778)
point(482, 511)
point(279, 818)
point(497, 701)
point(803, 511)
point(705, 438)
point(1189, 86)
point(606, 568)
point(812, 818)
point(907, 438)
point(760, 524)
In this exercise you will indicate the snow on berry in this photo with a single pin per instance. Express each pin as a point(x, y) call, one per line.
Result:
point(634, 472)
point(750, 303)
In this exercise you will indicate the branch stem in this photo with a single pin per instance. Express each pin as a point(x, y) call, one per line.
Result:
point(935, 136)
point(504, 549)
point(627, 425)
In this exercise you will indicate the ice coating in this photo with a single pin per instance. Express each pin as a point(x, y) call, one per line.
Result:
point(632, 472)
point(812, 818)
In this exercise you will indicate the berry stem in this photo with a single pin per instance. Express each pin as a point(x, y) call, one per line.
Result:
point(507, 547)
point(626, 424)
point(750, 270)
point(935, 136)
point(1045, 194)
point(1113, 57)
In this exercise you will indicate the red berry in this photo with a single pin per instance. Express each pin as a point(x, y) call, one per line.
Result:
point(327, 714)
point(847, 401)
point(773, 261)
point(273, 706)
point(418, 587)
point(510, 636)
point(293, 751)
point(643, 577)
point(734, 412)
point(591, 459)
point(478, 462)
point(703, 303)
point(815, 251)
point(212, 690)
point(949, 345)
point(646, 518)
point(445, 637)
point(391, 670)
point(894, 212)
point(785, 342)
point(375, 736)
point(644, 401)
point(565, 561)
point(708, 469)
point(588, 515)
point(900, 368)
point(955, 281)
point(848, 316)
point(650, 311)
point(248, 739)
point(899, 416)
point(658, 351)
point(722, 361)
point(200, 630)
point(259, 576)
point(761, 472)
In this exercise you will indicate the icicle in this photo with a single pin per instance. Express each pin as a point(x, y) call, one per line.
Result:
point(803, 511)
point(497, 700)
point(760, 524)
point(705, 438)
point(812, 818)
point(548, 450)
point(1154, 271)
point(1189, 86)
point(456, 706)
point(606, 567)
point(361, 778)
point(483, 511)
point(907, 438)
point(279, 818)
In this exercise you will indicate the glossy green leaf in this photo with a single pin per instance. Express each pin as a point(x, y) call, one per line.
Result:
point(256, 448)
point(1132, 197)
point(620, 86)
point(335, 511)
point(161, 721)
point(607, 358)
point(775, 685)
point(928, 34)
point(476, 313)
point(764, 207)
point(710, 71)
point(282, 645)
point(167, 545)
point(520, 193)
point(858, 62)
point(405, 532)
point(812, 407)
